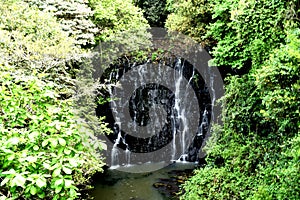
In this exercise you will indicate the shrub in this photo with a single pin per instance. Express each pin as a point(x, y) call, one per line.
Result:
point(33, 41)
point(256, 154)
point(191, 18)
point(115, 18)
point(43, 155)
point(247, 31)
point(47, 150)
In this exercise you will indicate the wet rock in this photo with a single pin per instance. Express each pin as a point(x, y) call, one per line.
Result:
point(170, 187)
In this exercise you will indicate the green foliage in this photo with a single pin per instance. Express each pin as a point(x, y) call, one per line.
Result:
point(247, 30)
point(256, 154)
point(191, 18)
point(113, 18)
point(33, 41)
point(155, 11)
point(74, 17)
point(241, 32)
point(43, 155)
point(279, 86)
point(47, 148)
point(250, 157)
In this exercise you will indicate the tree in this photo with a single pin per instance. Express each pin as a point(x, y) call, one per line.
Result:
point(191, 18)
point(155, 12)
point(45, 153)
point(74, 17)
point(115, 18)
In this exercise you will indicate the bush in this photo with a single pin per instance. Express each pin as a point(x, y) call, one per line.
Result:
point(43, 155)
point(256, 154)
point(191, 18)
point(46, 151)
point(242, 33)
point(247, 31)
point(113, 18)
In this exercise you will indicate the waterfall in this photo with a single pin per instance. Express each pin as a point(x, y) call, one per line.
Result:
point(159, 112)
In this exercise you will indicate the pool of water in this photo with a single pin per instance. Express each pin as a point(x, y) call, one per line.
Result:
point(114, 184)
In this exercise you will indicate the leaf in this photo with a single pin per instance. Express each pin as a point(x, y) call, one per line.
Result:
point(31, 159)
point(73, 162)
point(41, 195)
point(44, 143)
point(35, 148)
point(19, 180)
point(73, 193)
point(67, 170)
point(58, 189)
point(33, 190)
point(67, 151)
point(46, 165)
point(58, 182)
point(4, 181)
point(11, 157)
point(11, 171)
point(41, 182)
point(56, 172)
point(62, 141)
point(54, 142)
point(103, 145)
point(14, 140)
point(68, 183)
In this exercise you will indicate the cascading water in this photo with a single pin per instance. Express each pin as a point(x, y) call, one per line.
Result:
point(162, 106)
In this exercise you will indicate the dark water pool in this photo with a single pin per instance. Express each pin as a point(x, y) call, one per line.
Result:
point(119, 185)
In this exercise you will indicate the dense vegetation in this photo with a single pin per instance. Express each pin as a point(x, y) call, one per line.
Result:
point(48, 126)
point(155, 11)
point(256, 154)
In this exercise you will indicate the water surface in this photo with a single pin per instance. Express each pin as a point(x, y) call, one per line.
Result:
point(119, 185)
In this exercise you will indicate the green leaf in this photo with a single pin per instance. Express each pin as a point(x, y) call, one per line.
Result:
point(56, 197)
point(19, 180)
point(41, 182)
point(41, 195)
point(31, 159)
point(54, 142)
point(62, 141)
point(11, 157)
point(103, 146)
point(44, 143)
point(58, 189)
point(46, 165)
point(14, 140)
point(33, 190)
point(35, 148)
point(67, 170)
point(11, 171)
point(68, 183)
point(59, 182)
point(73, 193)
point(67, 151)
point(56, 172)
point(4, 181)
point(73, 162)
